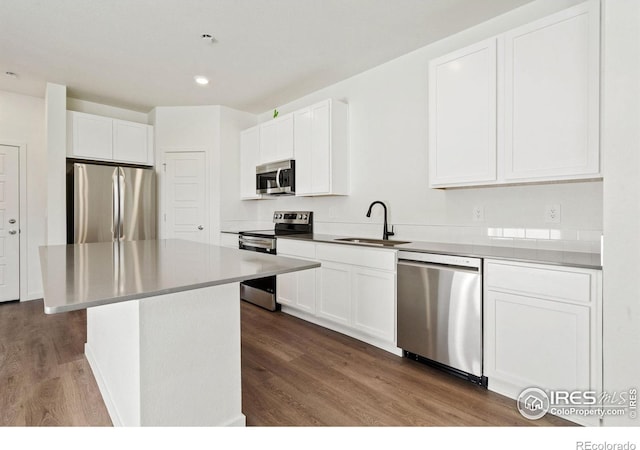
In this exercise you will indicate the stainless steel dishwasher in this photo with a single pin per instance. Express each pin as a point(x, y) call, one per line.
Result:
point(440, 312)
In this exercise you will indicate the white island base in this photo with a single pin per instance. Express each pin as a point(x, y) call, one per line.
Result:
point(171, 359)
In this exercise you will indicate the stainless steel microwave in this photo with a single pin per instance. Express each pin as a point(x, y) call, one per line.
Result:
point(276, 178)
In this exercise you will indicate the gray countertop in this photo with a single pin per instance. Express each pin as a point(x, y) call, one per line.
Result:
point(85, 275)
point(553, 257)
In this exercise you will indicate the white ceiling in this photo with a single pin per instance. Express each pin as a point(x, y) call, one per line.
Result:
point(138, 54)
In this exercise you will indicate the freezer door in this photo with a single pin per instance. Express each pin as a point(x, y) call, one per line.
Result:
point(137, 204)
point(94, 203)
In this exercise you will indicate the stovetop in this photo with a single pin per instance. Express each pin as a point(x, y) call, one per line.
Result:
point(286, 223)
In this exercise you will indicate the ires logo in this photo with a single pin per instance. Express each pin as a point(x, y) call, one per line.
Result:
point(533, 403)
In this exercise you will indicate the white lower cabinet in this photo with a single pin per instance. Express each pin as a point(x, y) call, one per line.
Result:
point(229, 240)
point(335, 292)
point(373, 302)
point(297, 290)
point(542, 328)
point(353, 292)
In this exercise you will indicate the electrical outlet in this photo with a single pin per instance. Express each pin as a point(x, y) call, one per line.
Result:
point(552, 214)
point(478, 213)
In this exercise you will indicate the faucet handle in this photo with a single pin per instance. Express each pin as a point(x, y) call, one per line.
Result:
point(391, 233)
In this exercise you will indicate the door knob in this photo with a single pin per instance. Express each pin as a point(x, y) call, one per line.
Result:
point(12, 220)
point(200, 227)
point(12, 231)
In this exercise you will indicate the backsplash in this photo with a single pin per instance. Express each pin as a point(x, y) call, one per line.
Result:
point(587, 241)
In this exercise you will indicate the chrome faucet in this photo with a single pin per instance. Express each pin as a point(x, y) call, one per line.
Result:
point(385, 233)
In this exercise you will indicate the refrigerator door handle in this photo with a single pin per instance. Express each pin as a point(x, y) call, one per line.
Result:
point(115, 228)
point(121, 188)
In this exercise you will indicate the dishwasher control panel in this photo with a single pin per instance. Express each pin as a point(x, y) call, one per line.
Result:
point(449, 260)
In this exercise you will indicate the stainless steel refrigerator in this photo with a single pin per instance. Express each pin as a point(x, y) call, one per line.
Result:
point(110, 203)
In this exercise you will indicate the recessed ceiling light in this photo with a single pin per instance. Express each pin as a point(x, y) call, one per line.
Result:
point(203, 81)
point(11, 74)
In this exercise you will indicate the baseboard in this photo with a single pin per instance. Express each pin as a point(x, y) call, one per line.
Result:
point(384, 345)
point(240, 421)
point(106, 396)
point(33, 296)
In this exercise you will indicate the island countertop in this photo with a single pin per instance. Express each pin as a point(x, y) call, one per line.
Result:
point(80, 276)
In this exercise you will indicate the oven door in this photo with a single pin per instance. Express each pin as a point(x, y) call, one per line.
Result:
point(260, 291)
point(256, 244)
point(276, 178)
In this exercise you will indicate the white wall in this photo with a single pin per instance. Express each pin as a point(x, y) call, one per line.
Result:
point(233, 211)
point(55, 124)
point(22, 121)
point(185, 128)
point(621, 143)
point(388, 144)
point(214, 130)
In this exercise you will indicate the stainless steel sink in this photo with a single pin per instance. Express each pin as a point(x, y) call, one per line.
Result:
point(367, 241)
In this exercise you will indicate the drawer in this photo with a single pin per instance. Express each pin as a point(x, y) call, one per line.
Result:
point(292, 247)
point(359, 256)
point(553, 282)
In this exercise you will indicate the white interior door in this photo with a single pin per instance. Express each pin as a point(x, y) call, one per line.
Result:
point(186, 210)
point(9, 224)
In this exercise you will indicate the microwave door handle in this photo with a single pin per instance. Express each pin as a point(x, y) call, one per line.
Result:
point(278, 173)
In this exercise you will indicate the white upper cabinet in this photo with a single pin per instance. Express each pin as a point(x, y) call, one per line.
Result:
point(91, 136)
point(132, 142)
point(462, 116)
point(249, 159)
point(520, 107)
point(322, 149)
point(276, 139)
point(104, 139)
point(552, 97)
point(317, 139)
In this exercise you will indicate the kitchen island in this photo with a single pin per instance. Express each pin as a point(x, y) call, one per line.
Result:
point(163, 324)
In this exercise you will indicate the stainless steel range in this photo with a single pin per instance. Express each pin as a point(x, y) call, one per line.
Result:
point(262, 292)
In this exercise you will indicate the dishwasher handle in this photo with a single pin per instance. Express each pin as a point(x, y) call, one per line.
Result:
point(452, 267)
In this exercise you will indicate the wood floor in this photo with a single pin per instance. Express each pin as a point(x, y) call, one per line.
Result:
point(293, 373)
point(44, 377)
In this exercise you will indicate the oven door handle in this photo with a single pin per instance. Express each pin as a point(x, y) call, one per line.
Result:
point(256, 245)
point(254, 239)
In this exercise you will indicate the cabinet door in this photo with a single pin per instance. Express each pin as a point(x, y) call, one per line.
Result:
point(229, 240)
point(534, 342)
point(462, 116)
point(552, 97)
point(334, 302)
point(284, 137)
point(302, 140)
point(374, 304)
point(249, 156)
point(298, 290)
point(287, 288)
point(92, 136)
point(130, 142)
point(321, 148)
point(268, 142)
